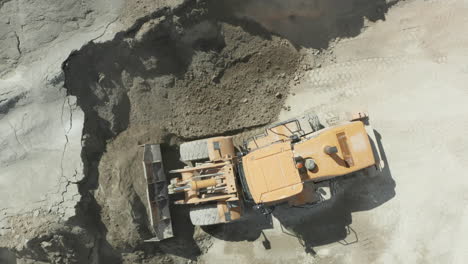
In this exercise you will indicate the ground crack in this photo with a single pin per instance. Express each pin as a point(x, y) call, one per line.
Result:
point(16, 136)
point(105, 30)
point(18, 43)
point(66, 131)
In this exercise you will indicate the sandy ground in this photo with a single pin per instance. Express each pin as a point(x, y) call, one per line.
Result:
point(410, 71)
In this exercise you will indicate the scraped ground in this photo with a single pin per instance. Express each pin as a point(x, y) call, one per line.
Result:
point(410, 71)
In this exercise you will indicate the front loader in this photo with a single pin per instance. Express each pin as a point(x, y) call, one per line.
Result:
point(292, 162)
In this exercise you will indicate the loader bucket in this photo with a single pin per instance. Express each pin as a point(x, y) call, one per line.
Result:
point(158, 199)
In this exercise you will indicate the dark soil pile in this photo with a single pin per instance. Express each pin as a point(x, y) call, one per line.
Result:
point(175, 75)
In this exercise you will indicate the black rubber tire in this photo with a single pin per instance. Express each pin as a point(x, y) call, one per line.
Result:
point(314, 122)
point(203, 215)
point(194, 150)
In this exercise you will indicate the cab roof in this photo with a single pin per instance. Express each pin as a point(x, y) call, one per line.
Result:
point(271, 173)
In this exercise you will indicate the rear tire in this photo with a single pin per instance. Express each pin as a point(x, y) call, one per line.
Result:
point(203, 215)
point(194, 150)
point(314, 122)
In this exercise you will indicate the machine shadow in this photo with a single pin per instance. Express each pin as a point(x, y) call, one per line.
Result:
point(310, 24)
point(321, 224)
point(7, 257)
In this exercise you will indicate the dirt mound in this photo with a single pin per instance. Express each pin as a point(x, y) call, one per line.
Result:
point(176, 75)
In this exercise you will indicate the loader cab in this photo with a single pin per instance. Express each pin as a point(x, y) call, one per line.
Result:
point(268, 169)
point(272, 170)
point(270, 173)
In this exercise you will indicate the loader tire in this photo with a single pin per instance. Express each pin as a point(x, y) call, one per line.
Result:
point(203, 215)
point(194, 150)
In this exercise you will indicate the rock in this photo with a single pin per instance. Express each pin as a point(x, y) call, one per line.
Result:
point(278, 95)
point(46, 245)
point(245, 100)
point(296, 78)
point(101, 77)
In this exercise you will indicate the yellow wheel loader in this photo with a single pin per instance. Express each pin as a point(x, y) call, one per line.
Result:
point(291, 162)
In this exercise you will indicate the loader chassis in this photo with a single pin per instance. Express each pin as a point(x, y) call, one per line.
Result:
point(213, 181)
point(290, 162)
